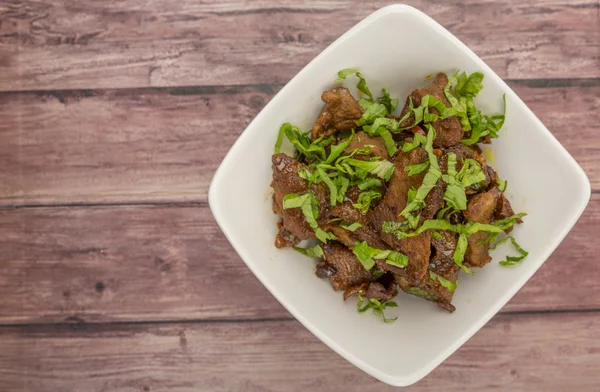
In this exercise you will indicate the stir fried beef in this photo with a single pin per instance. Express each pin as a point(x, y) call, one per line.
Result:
point(431, 287)
point(348, 270)
point(416, 248)
point(449, 131)
point(361, 139)
point(364, 233)
point(392, 202)
point(480, 209)
point(384, 289)
point(286, 181)
point(340, 113)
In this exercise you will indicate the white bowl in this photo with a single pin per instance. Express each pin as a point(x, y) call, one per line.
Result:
point(395, 47)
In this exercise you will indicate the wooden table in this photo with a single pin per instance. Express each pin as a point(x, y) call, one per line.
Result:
point(114, 116)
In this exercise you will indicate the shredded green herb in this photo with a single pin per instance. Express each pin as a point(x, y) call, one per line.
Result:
point(364, 200)
point(367, 256)
point(377, 306)
point(512, 260)
point(309, 206)
point(443, 281)
point(315, 252)
point(353, 227)
point(362, 84)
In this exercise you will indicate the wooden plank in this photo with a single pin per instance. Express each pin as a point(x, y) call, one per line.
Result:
point(148, 263)
point(163, 145)
point(516, 353)
point(82, 44)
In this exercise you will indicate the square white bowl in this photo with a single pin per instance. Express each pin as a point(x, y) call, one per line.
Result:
point(395, 47)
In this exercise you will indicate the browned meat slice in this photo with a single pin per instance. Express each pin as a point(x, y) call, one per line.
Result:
point(340, 112)
point(504, 210)
point(430, 287)
point(383, 290)
point(480, 209)
point(342, 267)
point(434, 201)
point(446, 243)
point(285, 181)
point(284, 238)
point(365, 233)
point(361, 139)
point(449, 131)
point(416, 248)
point(344, 236)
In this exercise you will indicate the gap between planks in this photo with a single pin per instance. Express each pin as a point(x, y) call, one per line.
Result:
point(85, 324)
point(272, 88)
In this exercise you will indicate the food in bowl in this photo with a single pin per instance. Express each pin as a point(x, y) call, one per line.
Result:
point(393, 201)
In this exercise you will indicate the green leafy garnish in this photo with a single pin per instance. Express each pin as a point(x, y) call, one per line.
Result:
point(314, 150)
point(429, 182)
point(378, 307)
point(332, 187)
point(443, 281)
point(367, 256)
point(483, 125)
point(369, 183)
point(337, 149)
point(459, 252)
point(309, 206)
point(372, 112)
point(362, 84)
point(364, 200)
point(464, 231)
point(512, 260)
point(315, 252)
point(435, 234)
point(353, 227)
point(418, 140)
point(470, 174)
point(417, 168)
point(390, 103)
point(502, 184)
point(381, 168)
point(279, 141)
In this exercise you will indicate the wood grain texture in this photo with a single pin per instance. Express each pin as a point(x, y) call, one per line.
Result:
point(173, 263)
point(509, 354)
point(132, 43)
point(163, 145)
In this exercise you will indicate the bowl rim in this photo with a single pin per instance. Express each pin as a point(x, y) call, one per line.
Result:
point(413, 377)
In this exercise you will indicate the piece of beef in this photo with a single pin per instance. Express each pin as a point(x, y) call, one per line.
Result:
point(447, 242)
point(340, 113)
point(348, 270)
point(325, 270)
point(449, 131)
point(504, 210)
point(480, 209)
point(382, 290)
point(343, 236)
point(365, 233)
point(430, 287)
point(434, 201)
point(285, 181)
point(416, 248)
point(284, 238)
point(361, 139)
